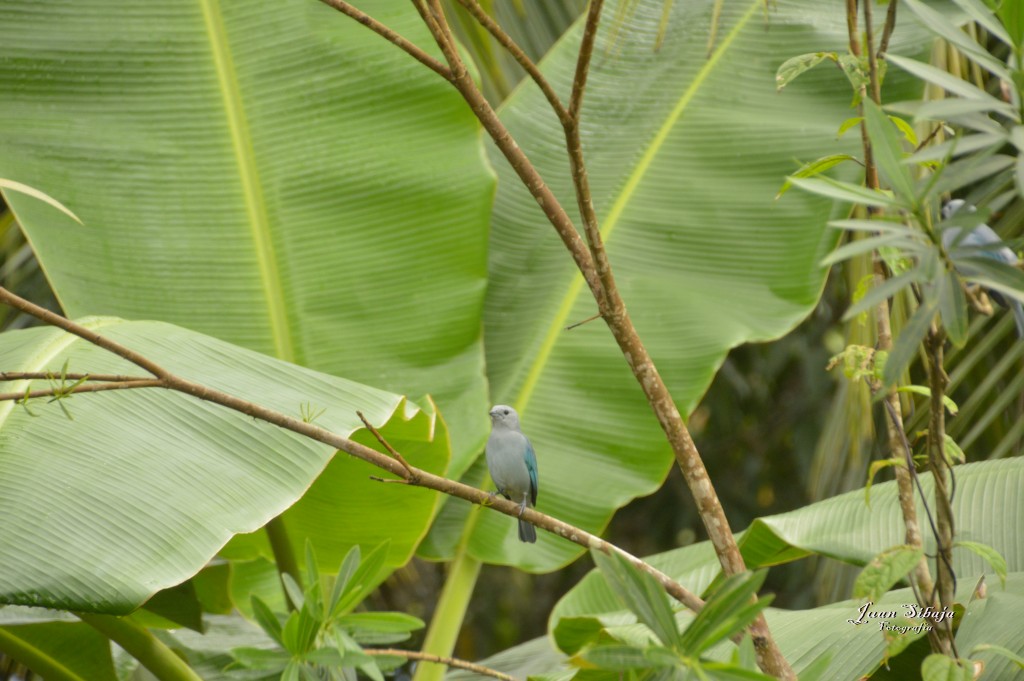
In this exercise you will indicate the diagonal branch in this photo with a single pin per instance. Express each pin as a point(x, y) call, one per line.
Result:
point(411, 474)
point(56, 375)
point(596, 270)
point(84, 388)
point(391, 36)
point(437, 659)
point(510, 45)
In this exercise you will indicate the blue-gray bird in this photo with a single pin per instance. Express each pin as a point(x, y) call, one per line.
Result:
point(976, 240)
point(513, 464)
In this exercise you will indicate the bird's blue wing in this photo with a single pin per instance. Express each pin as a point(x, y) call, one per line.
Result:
point(531, 466)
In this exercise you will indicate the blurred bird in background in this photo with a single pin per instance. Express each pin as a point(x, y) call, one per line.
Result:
point(981, 240)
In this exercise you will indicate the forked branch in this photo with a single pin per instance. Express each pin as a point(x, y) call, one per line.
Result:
point(593, 264)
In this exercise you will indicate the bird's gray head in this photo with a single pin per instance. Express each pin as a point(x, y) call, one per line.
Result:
point(504, 416)
point(950, 209)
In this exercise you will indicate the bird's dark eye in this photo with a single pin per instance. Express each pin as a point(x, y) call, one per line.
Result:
point(505, 412)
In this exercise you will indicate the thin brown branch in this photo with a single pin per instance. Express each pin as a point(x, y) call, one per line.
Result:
point(869, 37)
point(56, 376)
point(945, 579)
point(391, 36)
point(437, 659)
point(582, 322)
point(386, 445)
point(419, 477)
point(520, 163)
point(579, 81)
point(890, 25)
point(510, 45)
point(84, 388)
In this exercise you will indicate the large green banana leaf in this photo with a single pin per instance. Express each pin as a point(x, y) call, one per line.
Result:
point(269, 173)
point(55, 644)
point(686, 154)
point(988, 507)
point(143, 487)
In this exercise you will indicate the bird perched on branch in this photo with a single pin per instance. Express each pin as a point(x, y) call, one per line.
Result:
point(513, 464)
point(983, 240)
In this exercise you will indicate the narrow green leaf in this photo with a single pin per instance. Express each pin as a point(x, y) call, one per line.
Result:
point(258, 658)
point(1012, 16)
point(812, 168)
point(951, 109)
point(363, 580)
point(906, 128)
point(844, 191)
point(621, 657)
point(937, 667)
point(861, 246)
point(312, 572)
point(991, 556)
point(372, 670)
point(908, 342)
point(879, 225)
point(982, 14)
point(887, 289)
point(724, 611)
point(953, 308)
point(291, 672)
point(1017, 136)
point(888, 152)
point(949, 82)
point(845, 126)
point(958, 146)
point(952, 33)
point(379, 628)
point(1005, 652)
point(794, 66)
point(951, 451)
point(873, 471)
point(884, 570)
point(266, 618)
point(345, 572)
point(641, 594)
point(724, 671)
point(294, 591)
point(969, 171)
point(924, 390)
point(993, 274)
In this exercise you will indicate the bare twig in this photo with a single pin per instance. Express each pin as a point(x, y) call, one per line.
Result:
point(419, 477)
point(945, 578)
point(386, 445)
point(56, 375)
point(582, 322)
point(449, 661)
point(391, 36)
point(869, 36)
point(510, 45)
point(579, 81)
point(84, 388)
point(890, 24)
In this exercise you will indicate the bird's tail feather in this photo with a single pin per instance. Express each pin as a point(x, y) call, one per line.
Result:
point(527, 532)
